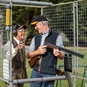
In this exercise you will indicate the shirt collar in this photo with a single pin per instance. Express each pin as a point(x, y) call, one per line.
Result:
point(16, 40)
point(46, 33)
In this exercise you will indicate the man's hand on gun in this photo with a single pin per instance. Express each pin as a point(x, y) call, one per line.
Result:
point(42, 49)
point(56, 52)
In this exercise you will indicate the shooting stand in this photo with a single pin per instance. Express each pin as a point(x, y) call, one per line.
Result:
point(67, 69)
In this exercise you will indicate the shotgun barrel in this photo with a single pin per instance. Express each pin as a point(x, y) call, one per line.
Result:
point(49, 45)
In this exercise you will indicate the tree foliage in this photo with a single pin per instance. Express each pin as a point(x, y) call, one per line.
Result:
point(25, 15)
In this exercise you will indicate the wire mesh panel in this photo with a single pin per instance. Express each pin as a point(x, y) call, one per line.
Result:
point(70, 20)
point(61, 20)
point(82, 28)
point(3, 38)
point(2, 23)
point(82, 38)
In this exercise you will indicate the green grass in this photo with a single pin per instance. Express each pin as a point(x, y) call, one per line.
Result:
point(62, 83)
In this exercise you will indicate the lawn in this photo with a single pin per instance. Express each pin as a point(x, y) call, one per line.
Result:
point(62, 83)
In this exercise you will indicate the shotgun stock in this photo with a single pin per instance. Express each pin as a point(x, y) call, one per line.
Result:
point(34, 59)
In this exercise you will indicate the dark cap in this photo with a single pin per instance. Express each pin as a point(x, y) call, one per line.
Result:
point(16, 27)
point(39, 19)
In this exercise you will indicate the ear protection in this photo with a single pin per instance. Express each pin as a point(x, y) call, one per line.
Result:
point(14, 32)
point(16, 27)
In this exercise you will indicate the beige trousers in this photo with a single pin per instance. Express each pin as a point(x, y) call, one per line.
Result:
point(18, 85)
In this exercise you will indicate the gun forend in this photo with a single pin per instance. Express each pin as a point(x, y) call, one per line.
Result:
point(49, 45)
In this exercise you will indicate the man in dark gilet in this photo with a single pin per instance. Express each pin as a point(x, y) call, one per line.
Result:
point(18, 54)
point(45, 65)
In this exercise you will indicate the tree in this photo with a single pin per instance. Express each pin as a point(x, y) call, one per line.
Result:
point(24, 15)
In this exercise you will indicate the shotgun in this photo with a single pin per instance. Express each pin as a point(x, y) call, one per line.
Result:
point(32, 61)
point(49, 45)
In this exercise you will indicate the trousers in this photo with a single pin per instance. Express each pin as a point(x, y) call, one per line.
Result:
point(18, 85)
point(36, 74)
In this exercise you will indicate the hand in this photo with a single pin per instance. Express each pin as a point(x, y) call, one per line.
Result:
point(42, 49)
point(20, 46)
point(56, 52)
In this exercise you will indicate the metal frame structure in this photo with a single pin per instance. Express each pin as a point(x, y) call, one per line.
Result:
point(9, 5)
point(26, 3)
point(41, 5)
point(9, 27)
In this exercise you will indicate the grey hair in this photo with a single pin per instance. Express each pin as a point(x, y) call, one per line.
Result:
point(46, 22)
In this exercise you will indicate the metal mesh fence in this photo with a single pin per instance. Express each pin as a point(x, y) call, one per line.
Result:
point(61, 20)
point(82, 38)
point(3, 37)
point(70, 19)
point(2, 23)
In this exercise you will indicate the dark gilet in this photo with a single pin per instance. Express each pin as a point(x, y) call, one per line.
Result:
point(49, 61)
point(19, 60)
